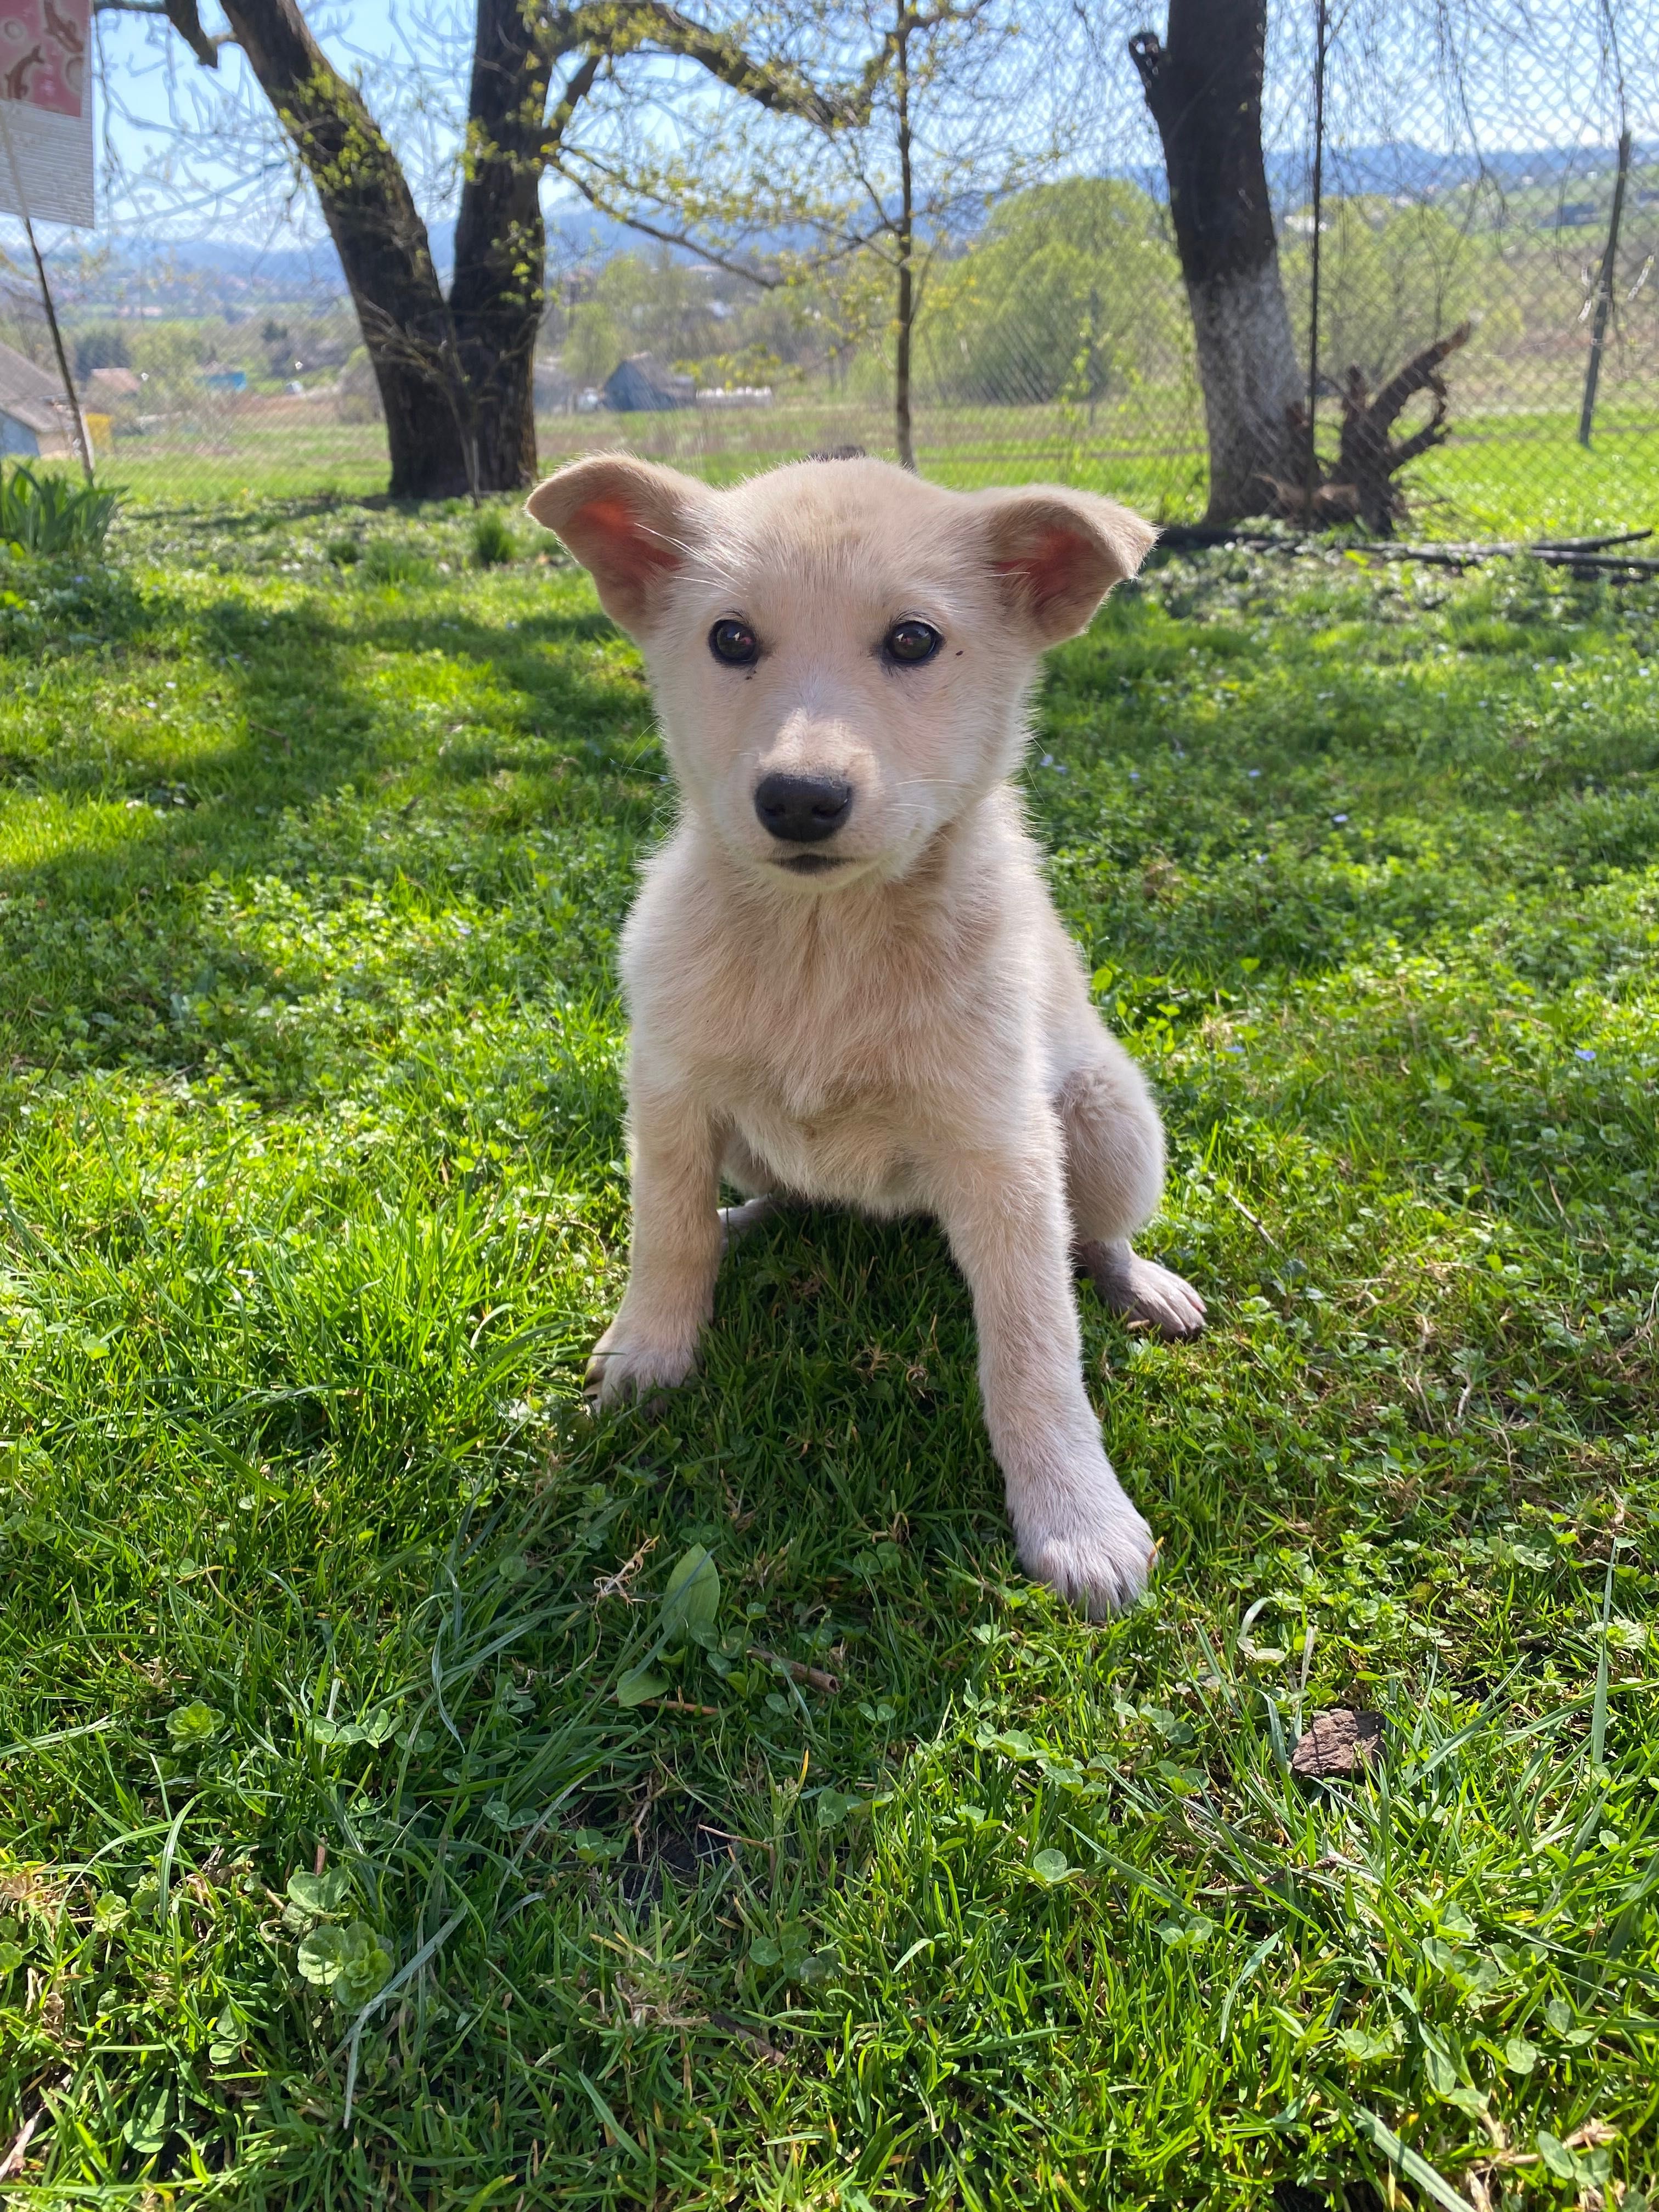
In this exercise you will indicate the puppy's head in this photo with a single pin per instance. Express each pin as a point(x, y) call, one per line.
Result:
point(839, 653)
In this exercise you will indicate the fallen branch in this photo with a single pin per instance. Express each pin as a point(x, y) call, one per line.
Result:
point(797, 1672)
point(1615, 565)
point(1589, 544)
point(767, 2052)
point(1618, 567)
point(13, 2161)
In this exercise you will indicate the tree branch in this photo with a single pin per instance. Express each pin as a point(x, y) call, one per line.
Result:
point(697, 246)
point(622, 25)
point(1420, 373)
point(184, 18)
point(1433, 433)
point(842, 246)
point(1146, 53)
point(578, 85)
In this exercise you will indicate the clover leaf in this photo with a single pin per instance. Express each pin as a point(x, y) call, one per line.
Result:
point(318, 1894)
point(350, 1963)
point(194, 1724)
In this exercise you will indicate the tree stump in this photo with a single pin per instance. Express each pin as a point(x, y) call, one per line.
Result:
point(1360, 486)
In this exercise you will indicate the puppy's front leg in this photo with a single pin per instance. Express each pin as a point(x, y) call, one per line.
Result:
point(1005, 1217)
point(674, 1252)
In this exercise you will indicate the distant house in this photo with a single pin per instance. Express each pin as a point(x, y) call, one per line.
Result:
point(642, 386)
point(113, 387)
point(1573, 214)
point(224, 380)
point(35, 415)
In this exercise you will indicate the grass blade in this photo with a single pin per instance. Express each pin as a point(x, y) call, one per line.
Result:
point(1599, 1710)
point(1411, 2163)
point(54, 1735)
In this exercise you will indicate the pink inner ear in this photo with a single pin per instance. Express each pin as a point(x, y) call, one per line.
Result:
point(1047, 566)
point(624, 546)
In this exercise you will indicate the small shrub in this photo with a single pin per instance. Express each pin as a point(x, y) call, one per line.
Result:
point(493, 543)
point(51, 514)
point(344, 552)
point(391, 560)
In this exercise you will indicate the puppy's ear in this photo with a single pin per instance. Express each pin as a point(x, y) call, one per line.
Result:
point(625, 521)
point(1057, 553)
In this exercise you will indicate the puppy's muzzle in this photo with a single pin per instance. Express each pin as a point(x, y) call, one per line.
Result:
point(803, 810)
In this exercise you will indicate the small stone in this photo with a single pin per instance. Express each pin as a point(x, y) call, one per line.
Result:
point(1335, 1743)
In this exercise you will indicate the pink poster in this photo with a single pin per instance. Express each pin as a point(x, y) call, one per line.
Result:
point(46, 110)
point(43, 53)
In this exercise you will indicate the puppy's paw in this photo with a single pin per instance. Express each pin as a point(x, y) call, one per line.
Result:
point(738, 1220)
point(1141, 1290)
point(1096, 1553)
point(625, 1367)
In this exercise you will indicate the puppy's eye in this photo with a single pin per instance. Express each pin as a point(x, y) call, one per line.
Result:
point(733, 642)
point(909, 642)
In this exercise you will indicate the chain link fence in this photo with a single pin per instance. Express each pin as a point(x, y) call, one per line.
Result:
point(1470, 169)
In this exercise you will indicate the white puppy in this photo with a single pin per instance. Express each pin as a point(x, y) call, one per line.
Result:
point(845, 979)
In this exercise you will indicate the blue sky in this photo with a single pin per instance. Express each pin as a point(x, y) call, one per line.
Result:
point(170, 115)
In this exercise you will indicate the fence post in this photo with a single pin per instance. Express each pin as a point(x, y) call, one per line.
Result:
point(1604, 294)
point(1313, 293)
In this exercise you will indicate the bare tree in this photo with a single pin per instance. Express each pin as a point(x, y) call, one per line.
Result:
point(455, 372)
point(931, 153)
point(958, 104)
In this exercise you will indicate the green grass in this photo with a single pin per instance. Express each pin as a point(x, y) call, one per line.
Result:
point(1519, 475)
point(314, 1198)
point(1502, 475)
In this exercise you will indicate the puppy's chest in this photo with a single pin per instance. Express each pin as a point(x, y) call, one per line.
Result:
point(820, 1089)
point(836, 1098)
point(858, 1149)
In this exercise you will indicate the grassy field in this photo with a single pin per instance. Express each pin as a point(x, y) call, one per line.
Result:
point(331, 1871)
point(1502, 475)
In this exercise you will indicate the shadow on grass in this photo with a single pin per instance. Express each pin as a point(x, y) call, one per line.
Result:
point(314, 747)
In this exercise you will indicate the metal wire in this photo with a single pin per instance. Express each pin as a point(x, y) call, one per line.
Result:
point(1430, 161)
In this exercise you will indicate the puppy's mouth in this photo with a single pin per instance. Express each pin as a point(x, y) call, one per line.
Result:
point(811, 864)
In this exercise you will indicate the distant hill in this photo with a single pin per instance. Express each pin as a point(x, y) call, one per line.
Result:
point(244, 269)
point(206, 275)
point(1417, 171)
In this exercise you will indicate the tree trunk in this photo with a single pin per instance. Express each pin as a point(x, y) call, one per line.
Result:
point(381, 242)
point(1203, 92)
point(456, 375)
point(497, 297)
point(903, 436)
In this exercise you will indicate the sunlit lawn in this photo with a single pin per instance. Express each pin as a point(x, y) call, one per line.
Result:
point(1501, 476)
point(314, 1785)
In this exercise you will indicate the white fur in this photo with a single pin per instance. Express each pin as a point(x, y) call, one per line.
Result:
point(910, 1029)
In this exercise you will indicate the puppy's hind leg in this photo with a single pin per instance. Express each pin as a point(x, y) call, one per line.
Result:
point(743, 1171)
point(1114, 1177)
point(738, 1220)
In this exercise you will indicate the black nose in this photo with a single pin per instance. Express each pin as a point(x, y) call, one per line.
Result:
point(803, 808)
